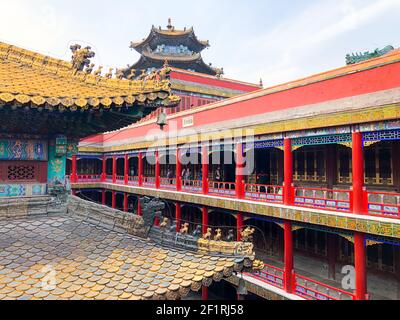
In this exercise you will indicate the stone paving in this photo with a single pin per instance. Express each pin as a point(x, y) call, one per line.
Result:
point(59, 257)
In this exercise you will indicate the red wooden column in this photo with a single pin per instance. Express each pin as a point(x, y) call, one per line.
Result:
point(359, 208)
point(360, 265)
point(74, 175)
point(114, 200)
point(125, 202)
point(126, 169)
point(288, 173)
point(239, 171)
point(178, 170)
point(288, 257)
point(178, 216)
point(204, 293)
point(103, 197)
point(239, 225)
point(114, 169)
point(204, 168)
point(140, 169)
point(139, 208)
point(358, 173)
point(204, 214)
point(157, 169)
point(104, 169)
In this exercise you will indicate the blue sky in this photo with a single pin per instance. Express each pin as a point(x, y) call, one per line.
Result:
point(277, 41)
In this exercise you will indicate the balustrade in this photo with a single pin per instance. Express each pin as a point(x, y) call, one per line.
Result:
point(321, 198)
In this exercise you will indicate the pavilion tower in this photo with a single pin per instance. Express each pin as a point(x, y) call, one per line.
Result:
point(181, 48)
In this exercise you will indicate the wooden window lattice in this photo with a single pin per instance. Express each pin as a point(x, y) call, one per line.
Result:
point(21, 172)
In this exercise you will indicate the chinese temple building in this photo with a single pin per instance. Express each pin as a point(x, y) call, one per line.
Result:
point(196, 82)
point(181, 48)
point(57, 246)
point(323, 195)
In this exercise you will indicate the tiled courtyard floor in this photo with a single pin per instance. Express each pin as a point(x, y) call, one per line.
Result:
point(63, 258)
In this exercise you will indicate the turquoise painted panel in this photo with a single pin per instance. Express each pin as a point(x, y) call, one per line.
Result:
point(21, 149)
point(56, 166)
point(22, 190)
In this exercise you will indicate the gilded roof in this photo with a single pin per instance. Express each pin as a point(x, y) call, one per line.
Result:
point(64, 258)
point(29, 77)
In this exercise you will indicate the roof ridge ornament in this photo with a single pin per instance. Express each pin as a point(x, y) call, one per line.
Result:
point(81, 57)
point(170, 26)
point(359, 57)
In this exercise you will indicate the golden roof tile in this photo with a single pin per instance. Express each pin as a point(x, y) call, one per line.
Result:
point(29, 77)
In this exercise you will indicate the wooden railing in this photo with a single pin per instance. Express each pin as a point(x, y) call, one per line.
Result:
point(192, 186)
point(149, 182)
point(320, 198)
point(227, 189)
point(109, 178)
point(267, 193)
point(133, 181)
point(89, 177)
point(384, 203)
point(302, 286)
point(271, 275)
point(314, 290)
point(168, 183)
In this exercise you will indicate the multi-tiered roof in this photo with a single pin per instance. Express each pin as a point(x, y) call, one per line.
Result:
point(180, 48)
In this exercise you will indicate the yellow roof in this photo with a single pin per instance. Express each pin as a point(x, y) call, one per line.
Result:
point(26, 77)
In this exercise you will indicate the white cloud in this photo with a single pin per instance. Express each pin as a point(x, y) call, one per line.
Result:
point(284, 53)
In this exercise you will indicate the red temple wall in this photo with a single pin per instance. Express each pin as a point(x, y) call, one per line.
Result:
point(368, 81)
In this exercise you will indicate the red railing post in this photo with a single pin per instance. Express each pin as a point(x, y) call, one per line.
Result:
point(178, 216)
point(140, 169)
point(157, 169)
point(239, 171)
point(114, 169)
point(204, 220)
point(104, 169)
point(114, 200)
point(204, 168)
point(288, 194)
point(204, 293)
point(125, 202)
point(139, 208)
point(178, 170)
point(103, 197)
point(239, 225)
point(126, 169)
point(294, 282)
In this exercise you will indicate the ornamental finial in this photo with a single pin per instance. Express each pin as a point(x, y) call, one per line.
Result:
point(169, 26)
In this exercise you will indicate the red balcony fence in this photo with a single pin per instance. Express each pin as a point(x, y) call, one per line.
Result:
point(314, 290)
point(320, 198)
point(168, 183)
point(192, 186)
point(227, 189)
point(149, 182)
point(384, 203)
point(266, 193)
point(133, 181)
point(270, 274)
point(89, 177)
